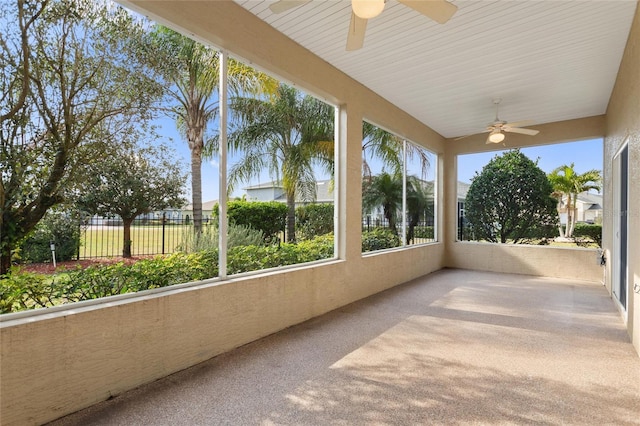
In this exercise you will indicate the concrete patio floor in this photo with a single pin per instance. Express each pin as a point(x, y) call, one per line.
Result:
point(453, 347)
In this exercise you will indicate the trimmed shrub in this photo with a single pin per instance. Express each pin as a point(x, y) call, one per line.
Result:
point(268, 217)
point(586, 233)
point(255, 258)
point(313, 220)
point(379, 239)
point(24, 290)
point(423, 232)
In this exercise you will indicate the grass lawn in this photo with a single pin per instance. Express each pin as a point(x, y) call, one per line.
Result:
point(107, 241)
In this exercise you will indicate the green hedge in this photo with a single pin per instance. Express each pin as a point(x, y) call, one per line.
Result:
point(268, 217)
point(586, 233)
point(20, 290)
point(379, 239)
point(423, 232)
point(313, 220)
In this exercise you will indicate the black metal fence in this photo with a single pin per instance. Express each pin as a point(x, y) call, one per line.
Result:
point(104, 237)
point(423, 232)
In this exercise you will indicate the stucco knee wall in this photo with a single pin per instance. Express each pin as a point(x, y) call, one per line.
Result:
point(557, 262)
point(56, 363)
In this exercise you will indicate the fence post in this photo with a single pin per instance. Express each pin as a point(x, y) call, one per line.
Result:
point(164, 219)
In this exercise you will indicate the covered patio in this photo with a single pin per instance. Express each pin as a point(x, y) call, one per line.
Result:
point(448, 332)
point(453, 347)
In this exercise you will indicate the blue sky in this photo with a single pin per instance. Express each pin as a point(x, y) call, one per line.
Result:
point(586, 155)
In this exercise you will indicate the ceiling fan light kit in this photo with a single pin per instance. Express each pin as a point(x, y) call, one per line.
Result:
point(367, 9)
point(496, 136)
point(498, 128)
point(362, 10)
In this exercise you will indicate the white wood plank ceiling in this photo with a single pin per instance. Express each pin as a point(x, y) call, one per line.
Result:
point(548, 60)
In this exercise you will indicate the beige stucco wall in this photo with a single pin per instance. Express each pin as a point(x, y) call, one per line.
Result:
point(623, 124)
point(572, 263)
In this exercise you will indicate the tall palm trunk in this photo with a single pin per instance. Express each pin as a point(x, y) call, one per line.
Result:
point(561, 229)
point(574, 216)
point(196, 190)
point(195, 138)
point(569, 227)
point(291, 217)
point(389, 214)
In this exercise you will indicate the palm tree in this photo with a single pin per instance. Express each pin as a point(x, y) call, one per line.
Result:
point(194, 69)
point(418, 196)
point(384, 190)
point(287, 135)
point(387, 147)
point(567, 183)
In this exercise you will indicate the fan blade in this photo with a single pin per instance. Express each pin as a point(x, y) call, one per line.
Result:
point(357, 28)
point(438, 10)
point(473, 134)
point(524, 123)
point(529, 132)
point(284, 5)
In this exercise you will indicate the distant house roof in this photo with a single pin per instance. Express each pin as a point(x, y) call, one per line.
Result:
point(263, 185)
point(590, 198)
point(324, 191)
point(463, 188)
point(207, 205)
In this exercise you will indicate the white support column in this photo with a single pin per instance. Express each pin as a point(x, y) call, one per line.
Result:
point(338, 226)
point(222, 169)
point(404, 193)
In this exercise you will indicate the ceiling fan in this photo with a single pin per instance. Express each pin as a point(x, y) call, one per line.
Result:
point(498, 128)
point(363, 10)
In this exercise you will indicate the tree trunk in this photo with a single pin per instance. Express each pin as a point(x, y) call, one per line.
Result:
point(5, 255)
point(574, 217)
point(569, 218)
point(291, 218)
point(196, 190)
point(126, 241)
point(5, 260)
point(389, 215)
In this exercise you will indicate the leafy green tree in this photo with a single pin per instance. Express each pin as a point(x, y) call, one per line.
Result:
point(85, 69)
point(16, 68)
point(193, 70)
point(287, 135)
point(132, 182)
point(508, 198)
point(568, 184)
